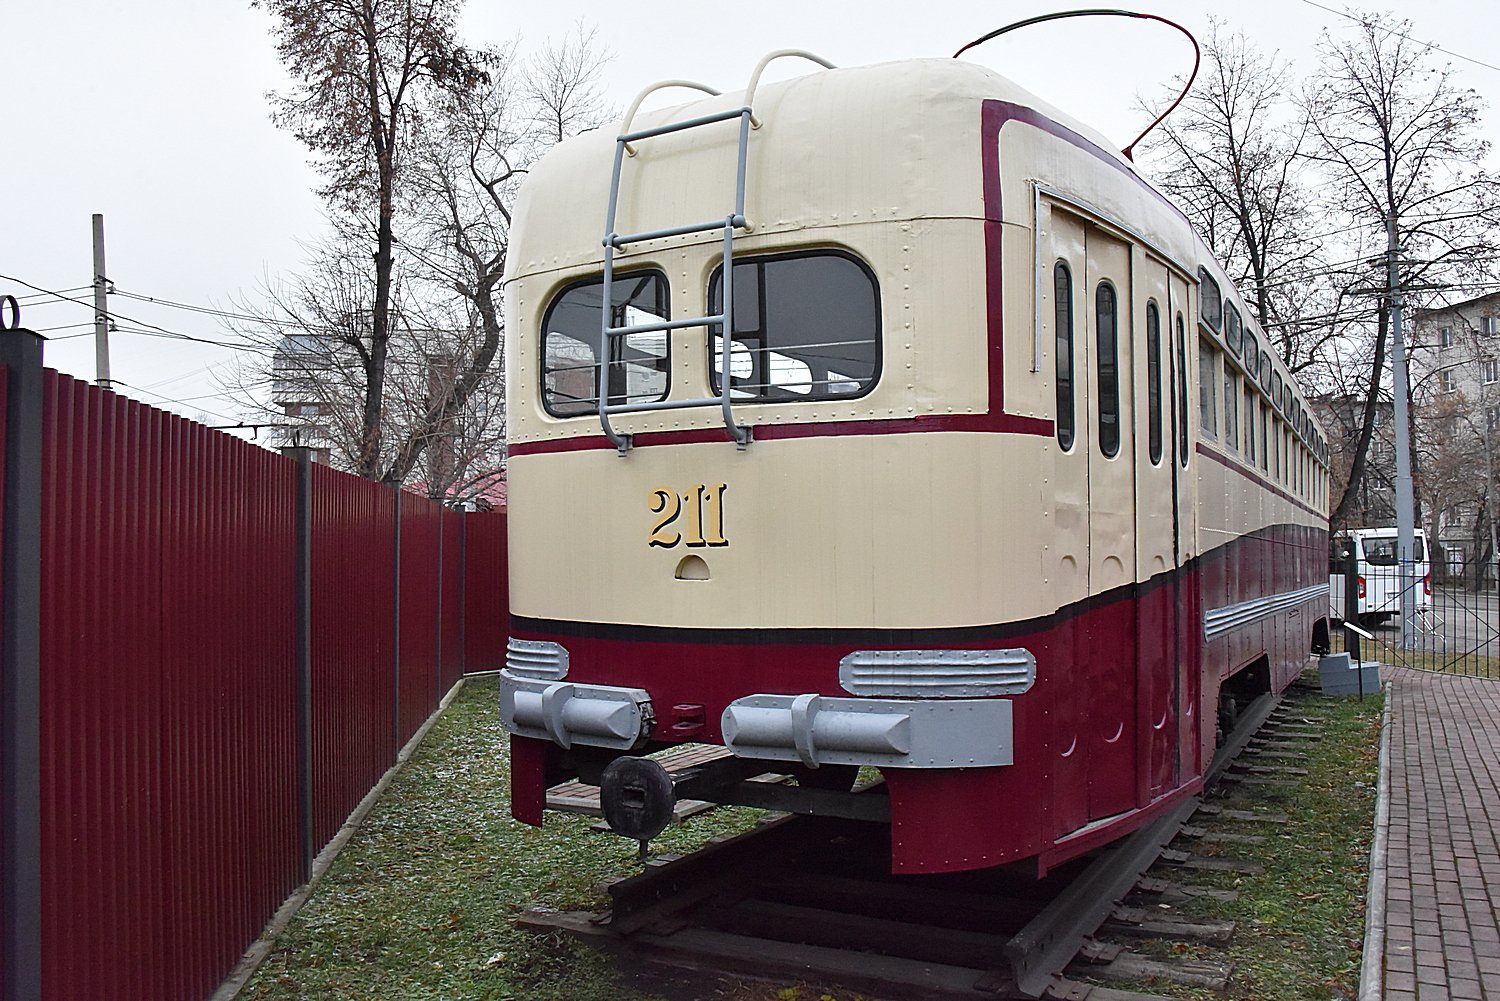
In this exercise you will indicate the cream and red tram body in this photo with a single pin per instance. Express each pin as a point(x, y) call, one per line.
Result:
point(1006, 489)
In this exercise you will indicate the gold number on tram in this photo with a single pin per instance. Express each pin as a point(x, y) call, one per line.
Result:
point(705, 521)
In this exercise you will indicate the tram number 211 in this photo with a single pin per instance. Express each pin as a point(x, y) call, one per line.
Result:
point(698, 517)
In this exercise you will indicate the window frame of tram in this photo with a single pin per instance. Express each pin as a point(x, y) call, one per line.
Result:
point(763, 293)
point(1208, 391)
point(1210, 300)
point(1184, 439)
point(1250, 400)
point(1153, 382)
point(1231, 406)
point(1062, 345)
point(1107, 365)
point(620, 347)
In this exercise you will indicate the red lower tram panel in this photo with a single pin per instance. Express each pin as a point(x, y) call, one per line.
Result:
point(1031, 741)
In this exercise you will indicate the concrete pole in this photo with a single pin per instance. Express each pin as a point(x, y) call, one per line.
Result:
point(1405, 508)
point(101, 308)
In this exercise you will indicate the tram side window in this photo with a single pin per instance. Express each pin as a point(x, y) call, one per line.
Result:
point(1108, 336)
point(806, 327)
point(1208, 396)
point(1265, 438)
point(1249, 421)
point(1232, 328)
point(1153, 381)
point(1062, 297)
point(570, 338)
point(1210, 302)
point(1231, 406)
point(1182, 396)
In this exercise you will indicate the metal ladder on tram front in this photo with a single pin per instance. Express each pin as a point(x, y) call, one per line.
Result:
point(735, 220)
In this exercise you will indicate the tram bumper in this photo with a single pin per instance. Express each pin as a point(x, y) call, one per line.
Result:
point(568, 714)
point(888, 733)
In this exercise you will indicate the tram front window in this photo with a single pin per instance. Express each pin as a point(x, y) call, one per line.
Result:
point(806, 327)
point(570, 339)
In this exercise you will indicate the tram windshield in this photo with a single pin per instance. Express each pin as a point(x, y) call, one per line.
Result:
point(806, 327)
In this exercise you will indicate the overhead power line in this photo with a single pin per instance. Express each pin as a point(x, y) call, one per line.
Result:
point(143, 327)
point(1366, 22)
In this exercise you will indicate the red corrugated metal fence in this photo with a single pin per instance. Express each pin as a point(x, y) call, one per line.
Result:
point(172, 742)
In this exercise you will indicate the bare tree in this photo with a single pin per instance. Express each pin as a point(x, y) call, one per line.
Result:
point(1231, 157)
point(1396, 138)
point(360, 67)
point(471, 151)
point(421, 366)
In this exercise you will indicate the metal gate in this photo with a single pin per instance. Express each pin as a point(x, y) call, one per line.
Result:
point(1455, 619)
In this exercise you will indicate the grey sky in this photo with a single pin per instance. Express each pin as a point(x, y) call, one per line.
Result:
point(153, 112)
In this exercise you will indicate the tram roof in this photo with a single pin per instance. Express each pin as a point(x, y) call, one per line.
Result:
point(897, 140)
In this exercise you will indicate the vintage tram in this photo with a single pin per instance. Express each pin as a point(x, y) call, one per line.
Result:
point(993, 486)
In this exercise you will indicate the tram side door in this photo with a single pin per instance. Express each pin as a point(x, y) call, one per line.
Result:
point(1110, 313)
point(1158, 688)
point(1062, 328)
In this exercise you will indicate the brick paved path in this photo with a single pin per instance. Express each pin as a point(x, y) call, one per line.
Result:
point(1443, 853)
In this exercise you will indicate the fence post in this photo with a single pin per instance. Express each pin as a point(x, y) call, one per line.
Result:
point(302, 598)
point(20, 672)
point(1351, 605)
point(437, 667)
point(396, 637)
point(463, 593)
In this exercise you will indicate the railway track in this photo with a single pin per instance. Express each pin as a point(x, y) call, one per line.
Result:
point(807, 899)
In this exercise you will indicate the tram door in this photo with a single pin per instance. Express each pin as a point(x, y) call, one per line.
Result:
point(1157, 526)
point(1110, 313)
point(1087, 317)
point(1068, 354)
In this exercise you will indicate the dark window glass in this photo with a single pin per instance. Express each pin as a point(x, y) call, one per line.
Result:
point(1208, 389)
point(1249, 421)
point(1210, 303)
point(1265, 440)
point(570, 340)
point(1107, 357)
point(1252, 356)
point(806, 327)
point(1265, 371)
point(1153, 382)
point(1278, 398)
point(1232, 328)
point(1062, 298)
point(1231, 406)
point(1182, 421)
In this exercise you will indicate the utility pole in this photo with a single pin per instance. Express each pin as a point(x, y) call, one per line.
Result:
point(101, 308)
point(1405, 515)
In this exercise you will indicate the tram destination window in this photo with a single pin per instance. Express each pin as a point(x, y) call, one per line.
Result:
point(806, 327)
point(570, 338)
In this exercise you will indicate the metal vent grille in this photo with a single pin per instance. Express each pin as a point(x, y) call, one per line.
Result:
point(537, 659)
point(937, 674)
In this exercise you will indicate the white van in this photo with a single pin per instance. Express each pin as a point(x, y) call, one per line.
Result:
point(1379, 579)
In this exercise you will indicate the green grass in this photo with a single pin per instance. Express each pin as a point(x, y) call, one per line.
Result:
point(1299, 925)
point(1474, 665)
point(422, 902)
